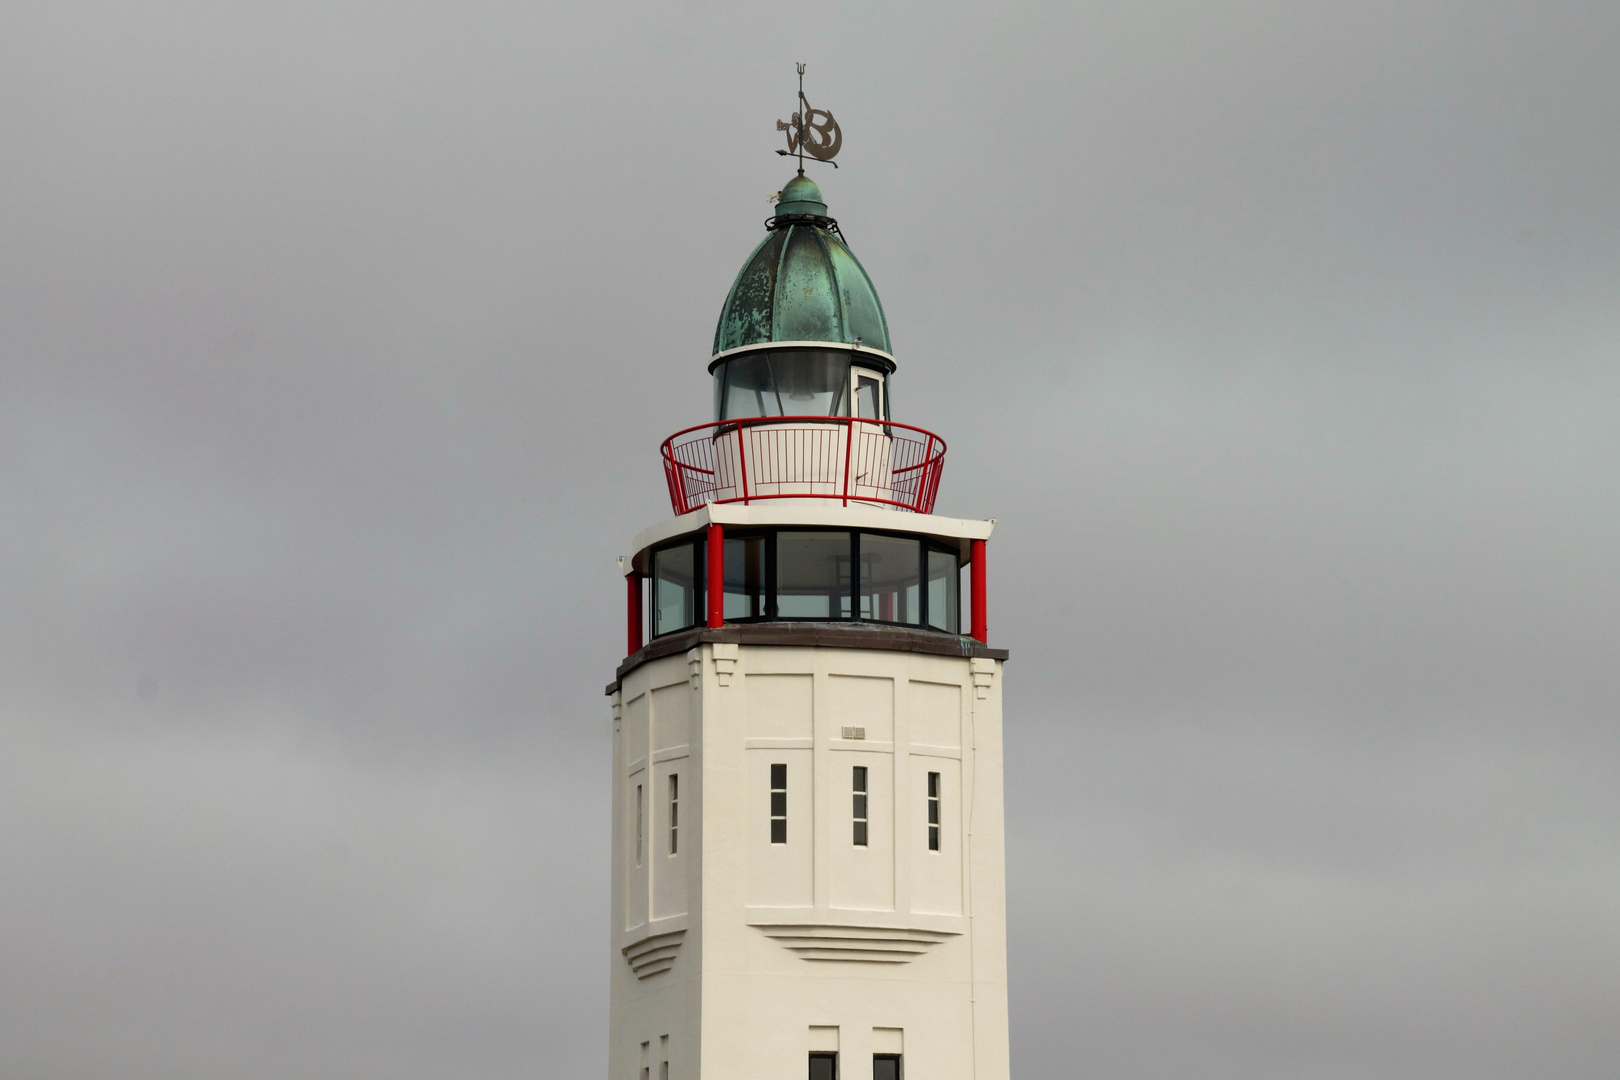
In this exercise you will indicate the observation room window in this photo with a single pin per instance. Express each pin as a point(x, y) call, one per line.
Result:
point(746, 577)
point(891, 579)
point(677, 586)
point(799, 382)
point(944, 591)
point(812, 574)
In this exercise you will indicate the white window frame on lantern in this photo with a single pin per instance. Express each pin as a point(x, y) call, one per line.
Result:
point(870, 382)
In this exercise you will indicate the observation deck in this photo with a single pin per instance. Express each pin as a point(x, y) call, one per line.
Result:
point(847, 458)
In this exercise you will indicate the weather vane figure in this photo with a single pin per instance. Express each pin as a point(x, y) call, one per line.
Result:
point(811, 131)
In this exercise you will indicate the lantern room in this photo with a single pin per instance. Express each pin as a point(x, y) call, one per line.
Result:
point(804, 500)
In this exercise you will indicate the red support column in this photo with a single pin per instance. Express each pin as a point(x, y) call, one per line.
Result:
point(632, 611)
point(981, 624)
point(715, 576)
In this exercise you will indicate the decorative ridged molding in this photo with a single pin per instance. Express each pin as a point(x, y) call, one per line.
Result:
point(984, 674)
point(725, 660)
point(655, 954)
point(871, 944)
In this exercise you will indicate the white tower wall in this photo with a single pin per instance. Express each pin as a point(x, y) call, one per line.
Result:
point(733, 958)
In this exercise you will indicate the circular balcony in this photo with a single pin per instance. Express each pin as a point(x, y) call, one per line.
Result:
point(854, 460)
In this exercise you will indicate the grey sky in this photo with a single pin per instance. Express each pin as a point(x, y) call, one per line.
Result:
point(336, 343)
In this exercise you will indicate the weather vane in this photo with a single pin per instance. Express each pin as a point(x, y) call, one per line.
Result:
point(811, 131)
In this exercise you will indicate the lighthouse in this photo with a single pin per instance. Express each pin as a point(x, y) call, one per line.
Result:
point(807, 856)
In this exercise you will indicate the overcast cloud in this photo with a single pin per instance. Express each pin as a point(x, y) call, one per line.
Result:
point(336, 343)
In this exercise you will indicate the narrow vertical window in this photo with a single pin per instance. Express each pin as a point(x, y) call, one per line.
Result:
point(933, 811)
point(885, 1067)
point(646, 1052)
point(823, 1066)
point(779, 804)
point(640, 819)
point(859, 785)
point(663, 1057)
point(674, 811)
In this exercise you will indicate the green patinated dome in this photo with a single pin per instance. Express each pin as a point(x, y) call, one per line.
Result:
point(802, 283)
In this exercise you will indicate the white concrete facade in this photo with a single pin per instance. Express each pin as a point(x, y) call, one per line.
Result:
point(734, 957)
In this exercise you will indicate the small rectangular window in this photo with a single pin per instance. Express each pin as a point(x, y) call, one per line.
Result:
point(868, 395)
point(663, 1057)
point(640, 818)
point(823, 1066)
point(674, 811)
point(885, 1067)
point(859, 784)
point(933, 811)
point(779, 804)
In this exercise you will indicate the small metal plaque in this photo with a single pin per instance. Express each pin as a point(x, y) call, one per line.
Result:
point(854, 733)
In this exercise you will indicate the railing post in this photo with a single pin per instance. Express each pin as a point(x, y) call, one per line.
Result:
point(981, 622)
point(715, 575)
point(633, 618)
point(677, 481)
point(849, 448)
point(742, 461)
point(934, 472)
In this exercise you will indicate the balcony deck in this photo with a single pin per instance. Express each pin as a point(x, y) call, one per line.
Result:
point(853, 460)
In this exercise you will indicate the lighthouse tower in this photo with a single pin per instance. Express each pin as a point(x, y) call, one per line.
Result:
point(808, 867)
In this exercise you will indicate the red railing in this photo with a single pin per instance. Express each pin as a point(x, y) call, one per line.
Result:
point(804, 457)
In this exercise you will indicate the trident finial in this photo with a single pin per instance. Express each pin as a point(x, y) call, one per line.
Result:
point(812, 130)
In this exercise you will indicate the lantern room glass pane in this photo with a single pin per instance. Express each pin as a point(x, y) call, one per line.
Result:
point(944, 592)
point(891, 571)
point(674, 589)
point(787, 382)
point(745, 577)
point(812, 575)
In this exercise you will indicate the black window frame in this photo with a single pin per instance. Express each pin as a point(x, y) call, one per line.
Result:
point(899, 1064)
point(824, 1055)
point(778, 788)
point(674, 813)
point(934, 810)
point(860, 787)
